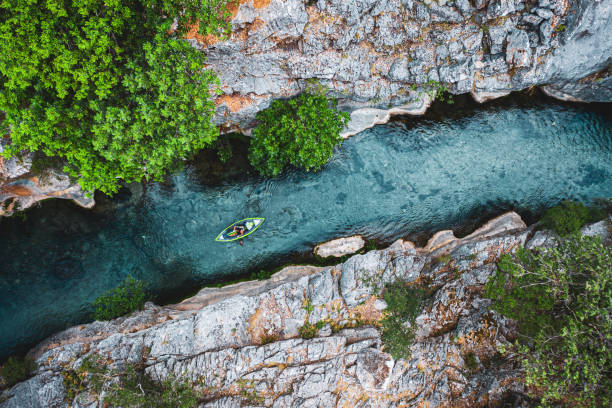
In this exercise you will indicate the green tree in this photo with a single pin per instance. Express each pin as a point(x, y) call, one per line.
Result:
point(301, 132)
point(125, 298)
point(107, 85)
point(561, 299)
point(569, 216)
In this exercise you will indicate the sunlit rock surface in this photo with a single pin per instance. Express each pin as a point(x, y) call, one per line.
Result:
point(340, 246)
point(20, 189)
point(386, 54)
point(215, 338)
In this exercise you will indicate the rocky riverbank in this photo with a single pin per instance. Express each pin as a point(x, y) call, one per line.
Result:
point(246, 335)
point(383, 58)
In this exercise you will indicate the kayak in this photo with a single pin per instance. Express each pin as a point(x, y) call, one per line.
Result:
point(249, 224)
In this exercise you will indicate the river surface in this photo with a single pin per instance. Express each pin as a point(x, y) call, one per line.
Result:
point(415, 174)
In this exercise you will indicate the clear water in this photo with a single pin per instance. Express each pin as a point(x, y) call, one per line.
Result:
point(390, 181)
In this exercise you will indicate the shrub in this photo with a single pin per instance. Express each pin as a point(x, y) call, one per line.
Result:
point(403, 307)
point(470, 361)
point(308, 331)
point(138, 389)
point(301, 132)
point(261, 275)
point(561, 300)
point(106, 85)
point(17, 369)
point(568, 217)
point(129, 388)
point(125, 298)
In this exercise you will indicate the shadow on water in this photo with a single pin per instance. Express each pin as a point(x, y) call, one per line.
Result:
point(454, 168)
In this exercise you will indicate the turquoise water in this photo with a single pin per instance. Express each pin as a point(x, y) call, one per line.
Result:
point(390, 181)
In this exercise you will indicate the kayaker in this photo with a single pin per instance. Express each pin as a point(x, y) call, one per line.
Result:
point(239, 229)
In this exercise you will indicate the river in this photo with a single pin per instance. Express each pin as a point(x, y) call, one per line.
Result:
point(411, 175)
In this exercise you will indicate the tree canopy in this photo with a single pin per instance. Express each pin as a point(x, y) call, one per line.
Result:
point(561, 299)
point(302, 132)
point(110, 86)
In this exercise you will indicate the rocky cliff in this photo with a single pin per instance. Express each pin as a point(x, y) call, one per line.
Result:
point(239, 345)
point(396, 53)
point(21, 188)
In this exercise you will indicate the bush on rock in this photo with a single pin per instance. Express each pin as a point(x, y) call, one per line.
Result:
point(125, 298)
point(301, 132)
point(17, 369)
point(561, 299)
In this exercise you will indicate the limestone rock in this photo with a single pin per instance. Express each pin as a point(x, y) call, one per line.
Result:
point(340, 246)
point(518, 52)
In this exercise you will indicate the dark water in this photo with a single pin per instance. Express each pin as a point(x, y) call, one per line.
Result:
point(391, 181)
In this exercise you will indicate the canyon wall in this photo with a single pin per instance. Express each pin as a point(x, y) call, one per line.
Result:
point(239, 345)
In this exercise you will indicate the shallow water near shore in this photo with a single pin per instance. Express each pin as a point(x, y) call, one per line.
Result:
point(395, 180)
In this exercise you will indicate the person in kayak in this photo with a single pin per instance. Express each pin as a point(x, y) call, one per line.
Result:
point(239, 230)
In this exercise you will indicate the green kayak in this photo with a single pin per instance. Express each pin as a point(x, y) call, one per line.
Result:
point(231, 234)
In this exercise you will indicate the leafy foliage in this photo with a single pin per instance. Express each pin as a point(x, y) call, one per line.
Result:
point(106, 85)
point(569, 216)
point(403, 307)
point(17, 369)
point(137, 389)
point(125, 298)
point(129, 388)
point(261, 275)
point(301, 132)
point(561, 299)
point(308, 331)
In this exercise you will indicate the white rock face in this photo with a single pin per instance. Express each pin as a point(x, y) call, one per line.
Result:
point(340, 247)
point(19, 189)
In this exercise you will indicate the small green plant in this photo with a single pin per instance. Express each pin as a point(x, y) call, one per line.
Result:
point(371, 245)
point(268, 338)
point(568, 217)
point(438, 91)
point(125, 298)
point(248, 392)
point(470, 361)
point(129, 388)
point(301, 132)
point(308, 331)
point(320, 324)
point(443, 259)
point(261, 275)
point(224, 151)
point(560, 28)
point(138, 389)
point(484, 28)
point(403, 306)
point(308, 307)
point(17, 369)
